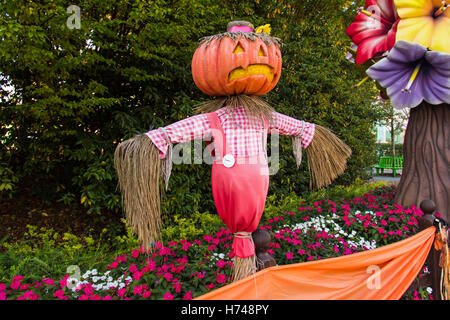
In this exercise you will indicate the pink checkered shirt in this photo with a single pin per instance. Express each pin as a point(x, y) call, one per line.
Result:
point(244, 137)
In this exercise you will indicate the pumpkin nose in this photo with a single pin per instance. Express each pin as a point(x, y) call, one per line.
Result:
point(238, 48)
point(261, 52)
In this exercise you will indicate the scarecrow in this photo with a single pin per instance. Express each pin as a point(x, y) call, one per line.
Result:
point(236, 67)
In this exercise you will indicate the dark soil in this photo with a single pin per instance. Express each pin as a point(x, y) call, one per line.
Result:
point(27, 209)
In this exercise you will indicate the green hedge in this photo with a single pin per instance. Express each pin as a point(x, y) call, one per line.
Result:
point(79, 92)
point(385, 150)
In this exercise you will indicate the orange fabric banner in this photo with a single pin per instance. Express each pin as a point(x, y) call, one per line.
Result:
point(384, 273)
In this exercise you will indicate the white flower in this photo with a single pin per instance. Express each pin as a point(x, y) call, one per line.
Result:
point(94, 272)
point(430, 290)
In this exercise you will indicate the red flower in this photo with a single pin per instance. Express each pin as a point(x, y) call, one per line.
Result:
point(374, 29)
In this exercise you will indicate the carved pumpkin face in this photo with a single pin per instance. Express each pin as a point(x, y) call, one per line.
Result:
point(225, 66)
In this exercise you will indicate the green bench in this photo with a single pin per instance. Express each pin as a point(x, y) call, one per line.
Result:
point(392, 163)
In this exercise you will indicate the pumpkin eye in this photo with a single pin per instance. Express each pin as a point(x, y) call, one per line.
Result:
point(261, 52)
point(238, 48)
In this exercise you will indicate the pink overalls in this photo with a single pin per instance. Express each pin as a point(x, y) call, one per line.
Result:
point(239, 186)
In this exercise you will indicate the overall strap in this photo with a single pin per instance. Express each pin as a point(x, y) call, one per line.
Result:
point(218, 134)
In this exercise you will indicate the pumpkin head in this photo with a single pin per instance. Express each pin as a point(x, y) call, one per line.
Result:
point(237, 62)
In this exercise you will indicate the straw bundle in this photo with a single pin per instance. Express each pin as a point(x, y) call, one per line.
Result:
point(139, 168)
point(327, 157)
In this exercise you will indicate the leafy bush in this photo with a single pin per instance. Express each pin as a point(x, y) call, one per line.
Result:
point(127, 70)
point(385, 150)
point(8, 181)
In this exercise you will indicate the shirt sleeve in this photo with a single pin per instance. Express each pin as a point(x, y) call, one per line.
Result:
point(192, 128)
point(286, 125)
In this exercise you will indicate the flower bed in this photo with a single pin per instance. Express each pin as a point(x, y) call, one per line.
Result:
point(186, 269)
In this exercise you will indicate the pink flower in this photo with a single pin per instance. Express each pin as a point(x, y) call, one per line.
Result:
point(137, 275)
point(380, 230)
point(30, 295)
point(121, 292)
point(173, 243)
point(147, 294)
point(220, 263)
point(88, 289)
point(133, 268)
point(168, 296)
point(221, 278)
point(107, 298)
point(151, 266)
point(188, 296)
point(63, 281)
point(2, 286)
point(137, 290)
point(289, 255)
point(17, 278)
point(15, 285)
point(60, 295)
point(177, 286)
point(210, 286)
point(48, 281)
point(301, 251)
point(2, 295)
point(113, 265)
point(164, 251)
point(168, 276)
point(135, 253)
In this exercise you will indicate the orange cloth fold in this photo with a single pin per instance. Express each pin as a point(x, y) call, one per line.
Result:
point(384, 273)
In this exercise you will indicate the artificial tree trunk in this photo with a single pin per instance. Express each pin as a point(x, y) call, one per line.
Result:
point(426, 152)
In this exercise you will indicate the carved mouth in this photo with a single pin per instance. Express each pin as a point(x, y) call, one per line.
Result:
point(253, 69)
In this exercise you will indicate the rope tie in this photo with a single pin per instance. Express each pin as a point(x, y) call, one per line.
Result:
point(248, 235)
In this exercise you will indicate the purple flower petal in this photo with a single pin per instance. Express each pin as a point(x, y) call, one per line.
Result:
point(431, 84)
point(404, 52)
point(388, 72)
point(401, 98)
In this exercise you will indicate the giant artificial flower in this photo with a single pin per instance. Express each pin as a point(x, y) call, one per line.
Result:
point(411, 73)
point(424, 21)
point(373, 29)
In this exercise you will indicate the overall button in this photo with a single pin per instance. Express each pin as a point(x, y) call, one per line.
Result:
point(228, 160)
